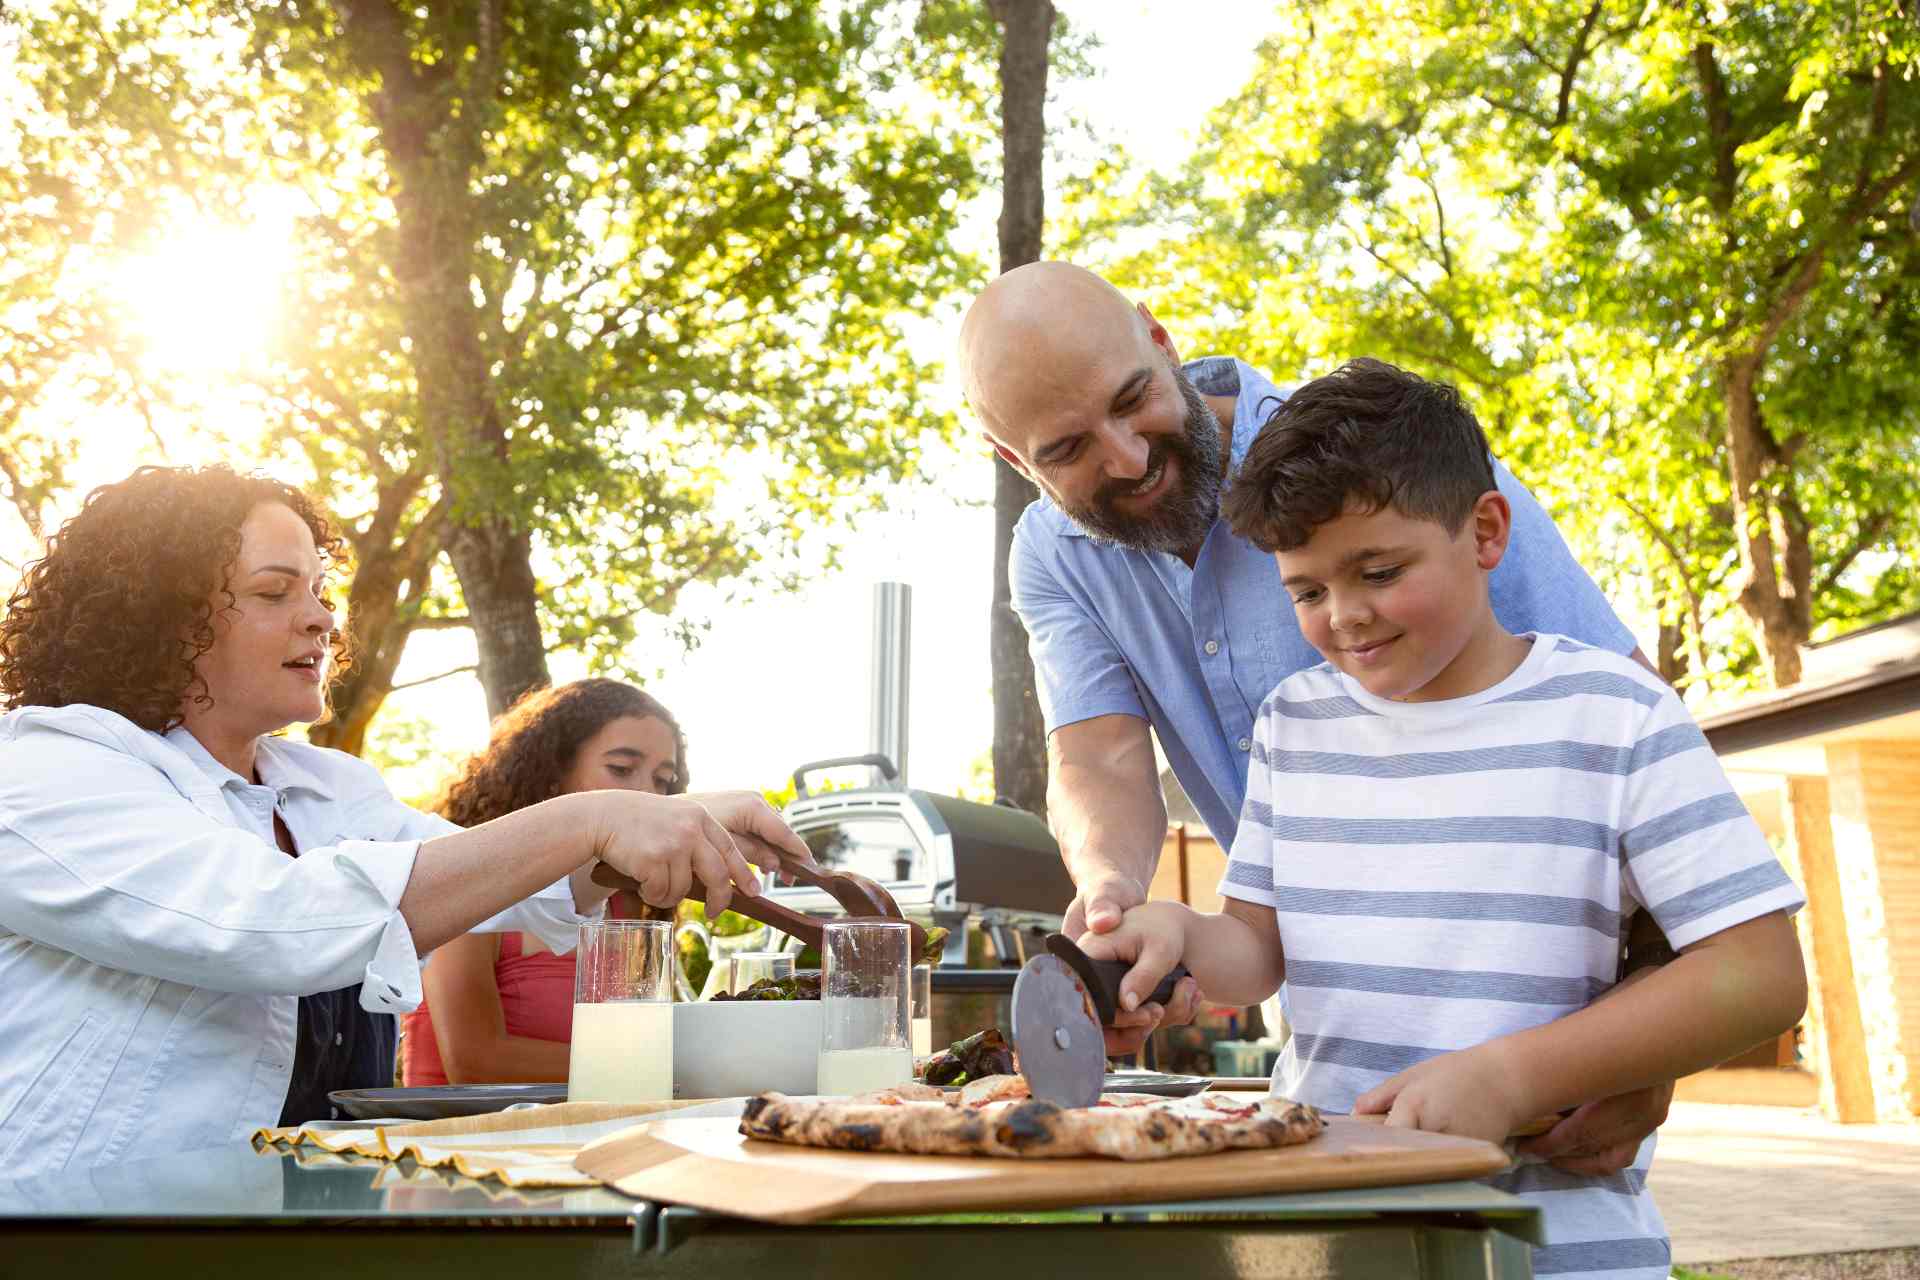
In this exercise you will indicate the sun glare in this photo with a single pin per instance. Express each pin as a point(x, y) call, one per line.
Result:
point(209, 301)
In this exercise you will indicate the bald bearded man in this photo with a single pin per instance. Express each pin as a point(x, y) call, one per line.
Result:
point(1142, 607)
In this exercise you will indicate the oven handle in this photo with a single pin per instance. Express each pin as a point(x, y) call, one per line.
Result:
point(888, 774)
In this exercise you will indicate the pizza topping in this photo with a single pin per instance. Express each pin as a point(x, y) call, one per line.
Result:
point(902, 1093)
point(986, 1053)
point(978, 1093)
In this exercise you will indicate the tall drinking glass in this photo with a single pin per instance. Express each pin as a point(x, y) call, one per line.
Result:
point(922, 1010)
point(744, 968)
point(622, 1016)
point(865, 1001)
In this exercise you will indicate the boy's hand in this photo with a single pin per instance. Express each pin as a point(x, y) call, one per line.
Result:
point(1152, 937)
point(1468, 1093)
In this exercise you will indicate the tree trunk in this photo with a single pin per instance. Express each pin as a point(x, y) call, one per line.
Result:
point(377, 644)
point(390, 578)
point(495, 568)
point(1775, 561)
point(433, 149)
point(1019, 734)
point(1670, 657)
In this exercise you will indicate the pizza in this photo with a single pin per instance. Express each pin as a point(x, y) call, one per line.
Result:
point(996, 1116)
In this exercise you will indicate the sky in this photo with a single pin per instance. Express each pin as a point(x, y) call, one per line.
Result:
point(784, 679)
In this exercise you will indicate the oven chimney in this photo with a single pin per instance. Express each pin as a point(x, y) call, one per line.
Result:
point(892, 633)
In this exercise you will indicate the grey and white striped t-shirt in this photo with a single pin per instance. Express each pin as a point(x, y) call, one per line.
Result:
point(1446, 873)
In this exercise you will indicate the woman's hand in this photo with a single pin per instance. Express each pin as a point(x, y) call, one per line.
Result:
point(666, 843)
point(760, 834)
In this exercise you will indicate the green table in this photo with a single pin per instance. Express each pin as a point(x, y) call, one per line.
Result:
point(269, 1216)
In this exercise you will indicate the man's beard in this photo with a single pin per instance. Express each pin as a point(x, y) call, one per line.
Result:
point(1179, 522)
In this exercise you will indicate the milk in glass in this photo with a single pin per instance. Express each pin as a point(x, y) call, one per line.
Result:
point(622, 1052)
point(844, 1071)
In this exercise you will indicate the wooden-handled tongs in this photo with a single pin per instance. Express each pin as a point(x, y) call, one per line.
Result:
point(862, 898)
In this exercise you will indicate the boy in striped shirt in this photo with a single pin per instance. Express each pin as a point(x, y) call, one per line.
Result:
point(1447, 826)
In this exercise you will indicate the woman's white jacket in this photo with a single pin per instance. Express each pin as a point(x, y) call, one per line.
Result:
point(154, 940)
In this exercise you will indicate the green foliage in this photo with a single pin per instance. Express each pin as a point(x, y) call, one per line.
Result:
point(407, 750)
point(686, 243)
point(694, 960)
point(1557, 207)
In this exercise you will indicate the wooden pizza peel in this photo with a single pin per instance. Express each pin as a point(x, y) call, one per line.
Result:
point(708, 1164)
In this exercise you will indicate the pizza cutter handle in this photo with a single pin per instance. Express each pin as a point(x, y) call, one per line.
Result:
point(1109, 973)
point(1102, 978)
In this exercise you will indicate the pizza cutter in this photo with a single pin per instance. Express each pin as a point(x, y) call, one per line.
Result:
point(1061, 1000)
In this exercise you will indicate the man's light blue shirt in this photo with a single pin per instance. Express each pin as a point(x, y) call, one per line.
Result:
point(1195, 651)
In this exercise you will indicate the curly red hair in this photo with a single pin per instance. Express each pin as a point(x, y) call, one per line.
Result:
point(122, 604)
point(533, 744)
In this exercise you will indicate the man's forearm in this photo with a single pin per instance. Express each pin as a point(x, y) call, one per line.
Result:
point(1108, 818)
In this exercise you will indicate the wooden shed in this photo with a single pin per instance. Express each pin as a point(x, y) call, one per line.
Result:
point(1831, 769)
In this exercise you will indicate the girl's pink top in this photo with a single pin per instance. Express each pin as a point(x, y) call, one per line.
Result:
point(536, 994)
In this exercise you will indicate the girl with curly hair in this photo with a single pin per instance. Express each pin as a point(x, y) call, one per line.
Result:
point(205, 928)
point(499, 1006)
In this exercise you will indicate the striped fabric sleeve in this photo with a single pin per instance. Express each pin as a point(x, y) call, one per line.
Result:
point(1249, 874)
point(1690, 851)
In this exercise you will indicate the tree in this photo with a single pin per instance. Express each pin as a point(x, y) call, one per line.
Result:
point(598, 297)
point(1019, 733)
point(1666, 251)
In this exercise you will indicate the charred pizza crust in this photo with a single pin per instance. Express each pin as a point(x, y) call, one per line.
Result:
point(1028, 1129)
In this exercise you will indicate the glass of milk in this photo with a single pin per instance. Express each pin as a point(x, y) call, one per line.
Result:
point(865, 1007)
point(622, 1016)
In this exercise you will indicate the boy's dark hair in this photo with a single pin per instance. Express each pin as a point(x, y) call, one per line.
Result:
point(1367, 434)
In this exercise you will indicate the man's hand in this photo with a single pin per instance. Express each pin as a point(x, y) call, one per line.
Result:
point(1103, 899)
point(1148, 940)
point(1603, 1137)
point(1468, 1093)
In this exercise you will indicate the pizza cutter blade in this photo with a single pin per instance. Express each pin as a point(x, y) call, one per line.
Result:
point(1062, 1054)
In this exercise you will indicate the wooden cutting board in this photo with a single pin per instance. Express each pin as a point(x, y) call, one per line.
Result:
point(708, 1164)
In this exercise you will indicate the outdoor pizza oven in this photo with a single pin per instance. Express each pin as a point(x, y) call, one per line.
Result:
point(972, 868)
point(947, 861)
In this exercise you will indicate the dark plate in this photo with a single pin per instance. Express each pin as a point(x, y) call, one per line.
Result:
point(1153, 1082)
point(441, 1101)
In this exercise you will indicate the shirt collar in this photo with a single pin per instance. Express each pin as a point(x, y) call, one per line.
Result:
point(274, 763)
point(280, 768)
point(221, 776)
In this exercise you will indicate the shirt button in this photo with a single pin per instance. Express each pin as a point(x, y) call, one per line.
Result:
point(1212, 647)
point(337, 1040)
point(1245, 744)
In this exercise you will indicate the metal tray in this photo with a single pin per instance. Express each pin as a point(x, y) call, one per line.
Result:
point(1154, 1082)
point(444, 1101)
point(441, 1101)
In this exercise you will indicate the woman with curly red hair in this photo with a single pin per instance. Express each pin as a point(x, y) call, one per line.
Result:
point(499, 1006)
point(204, 928)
